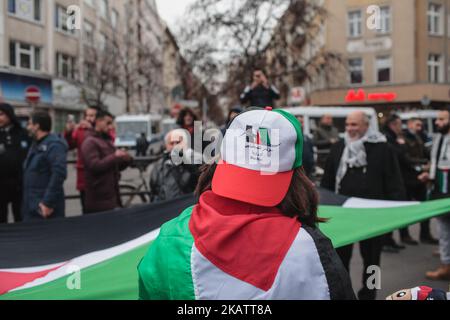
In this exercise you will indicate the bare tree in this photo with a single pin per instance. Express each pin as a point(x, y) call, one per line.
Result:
point(100, 74)
point(227, 39)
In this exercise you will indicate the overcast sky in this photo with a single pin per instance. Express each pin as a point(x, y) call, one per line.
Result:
point(171, 10)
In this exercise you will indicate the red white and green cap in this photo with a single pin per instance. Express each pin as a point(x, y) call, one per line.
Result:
point(259, 153)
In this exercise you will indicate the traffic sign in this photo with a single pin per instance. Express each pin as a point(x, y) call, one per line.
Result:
point(32, 94)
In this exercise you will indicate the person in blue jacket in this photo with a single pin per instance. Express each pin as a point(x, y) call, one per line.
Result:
point(45, 170)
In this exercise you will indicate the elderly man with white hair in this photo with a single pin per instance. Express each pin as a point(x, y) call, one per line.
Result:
point(363, 165)
point(177, 172)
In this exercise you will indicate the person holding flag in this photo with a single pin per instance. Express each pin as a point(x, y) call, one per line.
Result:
point(254, 232)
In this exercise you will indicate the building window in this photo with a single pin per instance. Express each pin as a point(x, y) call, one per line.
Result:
point(355, 67)
point(354, 24)
point(88, 29)
point(435, 68)
point(65, 66)
point(385, 20)
point(24, 56)
point(435, 19)
point(26, 9)
point(61, 17)
point(384, 67)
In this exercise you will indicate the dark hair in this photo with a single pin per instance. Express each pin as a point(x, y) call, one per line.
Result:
point(391, 119)
point(259, 68)
point(183, 114)
point(97, 109)
point(43, 119)
point(233, 110)
point(301, 201)
point(102, 114)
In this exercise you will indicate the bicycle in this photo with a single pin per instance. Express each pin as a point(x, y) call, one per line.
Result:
point(129, 191)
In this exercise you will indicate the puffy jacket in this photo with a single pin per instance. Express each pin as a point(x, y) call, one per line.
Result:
point(45, 171)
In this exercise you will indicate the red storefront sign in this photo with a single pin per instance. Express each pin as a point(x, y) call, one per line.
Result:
point(361, 96)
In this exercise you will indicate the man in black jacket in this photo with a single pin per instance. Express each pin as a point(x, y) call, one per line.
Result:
point(260, 94)
point(363, 165)
point(14, 145)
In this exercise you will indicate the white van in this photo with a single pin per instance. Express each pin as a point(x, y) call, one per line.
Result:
point(129, 128)
point(312, 116)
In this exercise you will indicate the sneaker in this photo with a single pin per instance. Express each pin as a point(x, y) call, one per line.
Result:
point(442, 273)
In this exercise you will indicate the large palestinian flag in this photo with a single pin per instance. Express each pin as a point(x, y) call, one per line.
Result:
point(39, 260)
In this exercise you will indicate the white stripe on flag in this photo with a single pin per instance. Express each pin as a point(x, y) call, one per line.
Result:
point(359, 203)
point(89, 260)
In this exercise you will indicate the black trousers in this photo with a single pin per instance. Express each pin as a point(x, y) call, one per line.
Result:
point(10, 195)
point(370, 252)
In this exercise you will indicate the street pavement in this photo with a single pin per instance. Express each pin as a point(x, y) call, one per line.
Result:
point(398, 271)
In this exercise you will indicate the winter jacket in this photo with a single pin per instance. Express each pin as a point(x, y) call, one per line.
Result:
point(408, 166)
point(75, 140)
point(260, 96)
point(14, 145)
point(380, 180)
point(102, 173)
point(323, 136)
point(45, 170)
point(169, 181)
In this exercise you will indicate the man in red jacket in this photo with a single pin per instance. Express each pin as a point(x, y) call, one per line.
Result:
point(75, 136)
point(102, 166)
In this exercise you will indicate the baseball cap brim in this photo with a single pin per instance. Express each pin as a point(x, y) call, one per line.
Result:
point(251, 186)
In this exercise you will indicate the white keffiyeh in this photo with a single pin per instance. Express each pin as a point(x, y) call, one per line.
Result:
point(354, 155)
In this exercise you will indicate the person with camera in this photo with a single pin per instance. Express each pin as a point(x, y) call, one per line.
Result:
point(176, 173)
point(260, 94)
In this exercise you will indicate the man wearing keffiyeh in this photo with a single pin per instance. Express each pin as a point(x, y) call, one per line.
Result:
point(363, 165)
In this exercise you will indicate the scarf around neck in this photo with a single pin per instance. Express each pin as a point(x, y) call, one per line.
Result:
point(354, 155)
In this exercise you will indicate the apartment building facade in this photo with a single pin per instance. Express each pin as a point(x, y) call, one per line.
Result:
point(39, 51)
point(400, 60)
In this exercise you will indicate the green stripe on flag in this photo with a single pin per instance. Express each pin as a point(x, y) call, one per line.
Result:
point(114, 279)
point(165, 270)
